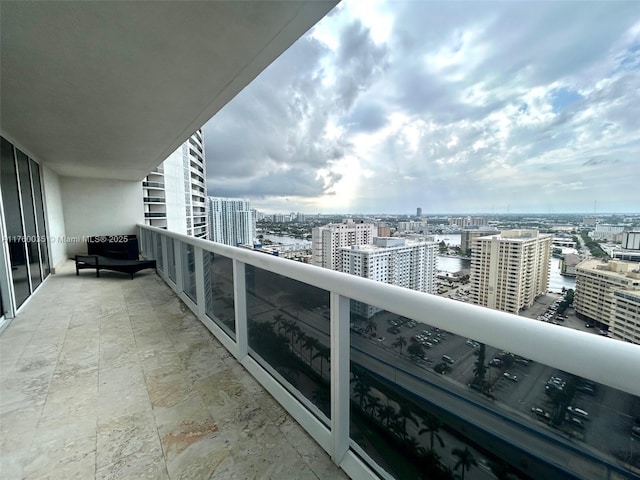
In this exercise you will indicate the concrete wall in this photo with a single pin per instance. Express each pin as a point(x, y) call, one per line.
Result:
point(55, 217)
point(99, 207)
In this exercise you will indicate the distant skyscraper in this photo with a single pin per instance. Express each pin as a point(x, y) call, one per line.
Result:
point(327, 241)
point(418, 212)
point(231, 221)
point(509, 270)
point(174, 193)
point(395, 261)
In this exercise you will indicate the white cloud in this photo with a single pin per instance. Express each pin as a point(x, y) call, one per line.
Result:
point(386, 105)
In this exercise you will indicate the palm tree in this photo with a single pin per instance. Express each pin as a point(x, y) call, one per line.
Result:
point(386, 413)
point(323, 353)
point(400, 342)
point(310, 343)
point(431, 426)
point(371, 327)
point(373, 404)
point(465, 460)
point(405, 414)
point(360, 390)
point(480, 369)
point(276, 321)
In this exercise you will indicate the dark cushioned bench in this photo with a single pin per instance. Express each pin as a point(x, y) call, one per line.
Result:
point(116, 264)
point(118, 253)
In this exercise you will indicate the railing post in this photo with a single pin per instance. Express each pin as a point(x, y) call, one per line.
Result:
point(163, 244)
point(240, 299)
point(198, 257)
point(177, 257)
point(340, 372)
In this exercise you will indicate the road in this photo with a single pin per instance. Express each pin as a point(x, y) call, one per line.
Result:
point(514, 399)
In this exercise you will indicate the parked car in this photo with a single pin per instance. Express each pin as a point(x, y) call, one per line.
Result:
point(579, 412)
point(448, 359)
point(509, 376)
point(496, 362)
point(537, 411)
point(575, 421)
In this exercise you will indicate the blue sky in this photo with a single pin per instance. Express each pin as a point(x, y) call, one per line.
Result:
point(450, 106)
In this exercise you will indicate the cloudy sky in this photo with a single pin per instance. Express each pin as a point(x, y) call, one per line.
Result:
point(455, 107)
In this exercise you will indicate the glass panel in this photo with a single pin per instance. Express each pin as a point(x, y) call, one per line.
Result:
point(28, 214)
point(171, 261)
point(218, 278)
point(15, 238)
point(288, 323)
point(42, 230)
point(423, 399)
point(159, 258)
point(189, 271)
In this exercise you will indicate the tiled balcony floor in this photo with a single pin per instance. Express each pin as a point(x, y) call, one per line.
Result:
point(112, 378)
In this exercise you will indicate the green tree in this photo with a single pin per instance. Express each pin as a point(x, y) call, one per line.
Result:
point(323, 353)
point(386, 414)
point(406, 413)
point(480, 369)
point(432, 425)
point(310, 343)
point(399, 343)
point(465, 460)
point(360, 391)
point(415, 350)
point(371, 327)
point(373, 405)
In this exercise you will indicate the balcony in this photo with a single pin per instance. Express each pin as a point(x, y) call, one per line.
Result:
point(120, 380)
point(153, 185)
point(154, 199)
point(365, 398)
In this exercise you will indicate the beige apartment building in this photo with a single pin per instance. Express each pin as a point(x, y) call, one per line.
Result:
point(509, 270)
point(609, 292)
point(328, 239)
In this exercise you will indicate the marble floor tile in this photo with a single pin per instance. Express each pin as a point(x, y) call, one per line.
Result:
point(130, 385)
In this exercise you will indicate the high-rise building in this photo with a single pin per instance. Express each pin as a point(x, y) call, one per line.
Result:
point(611, 233)
point(418, 212)
point(328, 239)
point(509, 270)
point(469, 234)
point(396, 261)
point(608, 292)
point(231, 221)
point(174, 193)
point(419, 227)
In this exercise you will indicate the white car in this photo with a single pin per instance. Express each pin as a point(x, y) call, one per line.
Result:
point(578, 411)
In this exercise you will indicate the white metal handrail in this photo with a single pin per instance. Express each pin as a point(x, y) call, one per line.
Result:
point(604, 360)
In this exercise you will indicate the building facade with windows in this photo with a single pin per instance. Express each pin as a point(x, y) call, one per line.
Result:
point(231, 221)
point(174, 193)
point(396, 261)
point(510, 270)
point(329, 239)
point(608, 292)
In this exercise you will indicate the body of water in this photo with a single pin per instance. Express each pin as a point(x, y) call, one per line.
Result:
point(287, 240)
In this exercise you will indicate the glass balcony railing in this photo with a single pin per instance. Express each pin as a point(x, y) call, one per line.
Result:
point(153, 184)
point(399, 384)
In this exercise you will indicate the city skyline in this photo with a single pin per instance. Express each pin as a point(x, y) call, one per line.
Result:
point(383, 107)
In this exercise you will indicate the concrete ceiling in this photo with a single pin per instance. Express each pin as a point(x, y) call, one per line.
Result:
point(109, 89)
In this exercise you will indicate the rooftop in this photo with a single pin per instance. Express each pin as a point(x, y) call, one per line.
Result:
point(115, 378)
